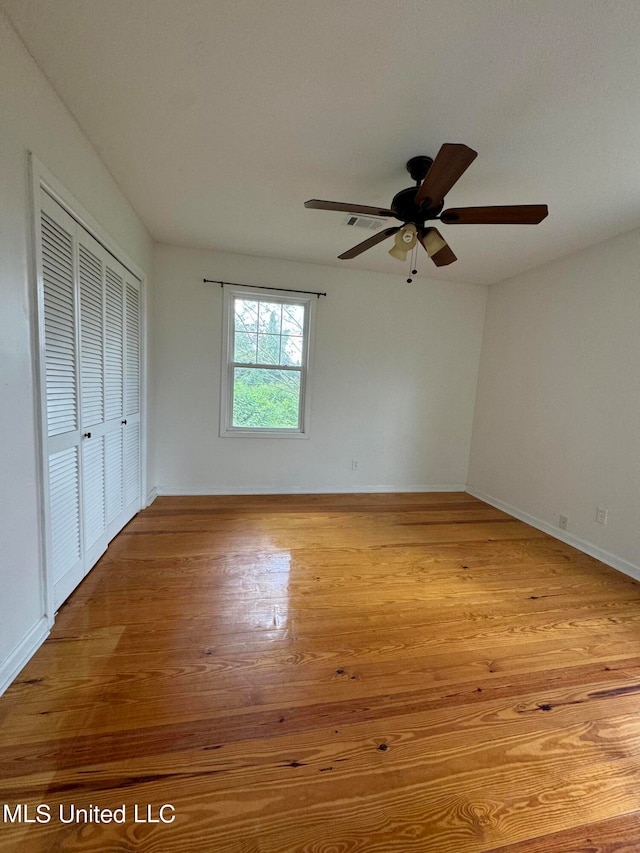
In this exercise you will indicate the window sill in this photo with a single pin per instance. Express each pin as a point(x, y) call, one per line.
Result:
point(262, 433)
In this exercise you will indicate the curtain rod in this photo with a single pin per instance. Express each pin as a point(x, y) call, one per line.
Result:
point(262, 287)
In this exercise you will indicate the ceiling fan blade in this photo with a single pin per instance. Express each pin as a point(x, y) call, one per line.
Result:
point(514, 214)
point(367, 244)
point(366, 210)
point(452, 161)
point(436, 247)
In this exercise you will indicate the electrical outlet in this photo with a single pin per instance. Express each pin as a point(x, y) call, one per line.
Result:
point(562, 522)
point(354, 464)
point(601, 515)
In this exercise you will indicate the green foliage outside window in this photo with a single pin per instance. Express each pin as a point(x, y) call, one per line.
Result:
point(267, 333)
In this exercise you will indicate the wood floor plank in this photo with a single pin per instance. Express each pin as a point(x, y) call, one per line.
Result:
point(334, 674)
point(620, 834)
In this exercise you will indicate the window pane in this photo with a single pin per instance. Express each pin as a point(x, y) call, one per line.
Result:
point(269, 318)
point(266, 398)
point(245, 347)
point(291, 350)
point(246, 315)
point(292, 319)
point(269, 349)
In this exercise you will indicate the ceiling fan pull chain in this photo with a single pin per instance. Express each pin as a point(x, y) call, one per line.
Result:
point(412, 263)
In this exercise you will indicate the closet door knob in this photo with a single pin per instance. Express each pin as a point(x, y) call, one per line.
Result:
point(124, 422)
point(87, 435)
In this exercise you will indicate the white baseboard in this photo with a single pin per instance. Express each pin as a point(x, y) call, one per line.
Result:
point(612, 560)
point(23, 652)
point(153, 494)
point(300, 490)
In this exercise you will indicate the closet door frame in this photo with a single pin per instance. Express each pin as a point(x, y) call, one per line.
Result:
point(40, 178)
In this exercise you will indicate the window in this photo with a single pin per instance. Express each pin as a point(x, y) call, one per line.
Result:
point(265, 363)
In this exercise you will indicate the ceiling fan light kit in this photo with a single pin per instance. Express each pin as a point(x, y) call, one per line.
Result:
point(423, 203)
point(405, 239)
point(433, 242)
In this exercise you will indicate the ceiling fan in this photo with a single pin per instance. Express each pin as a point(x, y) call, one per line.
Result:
point(423, 203)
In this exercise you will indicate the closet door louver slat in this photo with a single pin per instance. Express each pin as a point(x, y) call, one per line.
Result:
point(94, 491)
point(113, 459)
point(90, 269)
point(132, 373)
point(114, 355)
point(59, 327)
point(64, 508)
point(132, 463)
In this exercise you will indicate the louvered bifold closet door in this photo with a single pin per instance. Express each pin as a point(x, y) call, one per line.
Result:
point(58, 309)
point(132, 391)
point(121, 354)
point(91, 282)
point(90, 339)
point(114, 394)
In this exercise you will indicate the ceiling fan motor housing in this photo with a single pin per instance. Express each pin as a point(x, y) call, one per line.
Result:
point(404, 202)
point(406, 209)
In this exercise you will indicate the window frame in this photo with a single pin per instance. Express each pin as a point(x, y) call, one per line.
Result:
point(231, 293)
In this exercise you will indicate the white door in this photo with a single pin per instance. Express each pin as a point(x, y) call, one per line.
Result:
point(58, 303)
point(114, 395)
point(132, 395)
point(91, 279)
point(90, 313)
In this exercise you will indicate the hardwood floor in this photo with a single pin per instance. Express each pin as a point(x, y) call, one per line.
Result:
point(333, 674)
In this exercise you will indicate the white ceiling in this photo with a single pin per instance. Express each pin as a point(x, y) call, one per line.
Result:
point(218, 118)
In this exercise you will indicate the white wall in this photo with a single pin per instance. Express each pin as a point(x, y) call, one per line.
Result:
point(394, 379)
point(32, 117)
point(557, 421)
